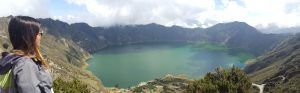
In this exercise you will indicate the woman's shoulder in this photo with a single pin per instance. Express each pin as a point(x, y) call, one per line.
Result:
point(25, 62)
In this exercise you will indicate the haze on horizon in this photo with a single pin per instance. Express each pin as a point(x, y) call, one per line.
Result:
point(186, 13)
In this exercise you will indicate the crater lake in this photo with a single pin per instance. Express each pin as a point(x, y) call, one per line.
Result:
point(128, 65)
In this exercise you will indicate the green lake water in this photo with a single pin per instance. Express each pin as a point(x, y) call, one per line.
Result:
point(130, 64)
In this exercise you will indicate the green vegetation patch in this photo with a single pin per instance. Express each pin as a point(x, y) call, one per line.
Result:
point(232, 80)
point(73, 86)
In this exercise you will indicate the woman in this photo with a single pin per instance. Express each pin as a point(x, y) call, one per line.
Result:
point(29, 69)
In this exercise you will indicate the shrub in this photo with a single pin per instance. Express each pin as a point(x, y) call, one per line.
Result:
point(232, 80)
point(73, 86)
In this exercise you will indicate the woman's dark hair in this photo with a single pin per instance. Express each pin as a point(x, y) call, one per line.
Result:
point(22, 33)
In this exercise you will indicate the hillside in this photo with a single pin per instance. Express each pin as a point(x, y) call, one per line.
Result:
point(68, 46)
point(279, 69)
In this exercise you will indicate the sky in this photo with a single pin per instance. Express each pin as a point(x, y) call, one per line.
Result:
point(185, 13)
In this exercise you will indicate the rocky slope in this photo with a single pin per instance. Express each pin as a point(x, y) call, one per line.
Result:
point(279, 69)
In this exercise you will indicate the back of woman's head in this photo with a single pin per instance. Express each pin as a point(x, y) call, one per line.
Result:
point(23, 31)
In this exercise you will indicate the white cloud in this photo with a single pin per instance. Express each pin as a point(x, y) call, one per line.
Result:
point(231, 12)
point(34, 8)
point(187, 13)
point(256, 13)
point(165, 12)
point(266, 12)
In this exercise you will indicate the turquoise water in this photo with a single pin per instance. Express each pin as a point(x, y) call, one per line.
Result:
point(128, 65)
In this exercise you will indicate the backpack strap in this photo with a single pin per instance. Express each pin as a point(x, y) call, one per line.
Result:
point(8, 62)
point(6, 81)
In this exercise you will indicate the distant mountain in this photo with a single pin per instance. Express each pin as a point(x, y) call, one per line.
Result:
point(233, 34)
point(242, 35)
point(279, 69)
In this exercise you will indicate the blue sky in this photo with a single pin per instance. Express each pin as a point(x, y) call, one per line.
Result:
point(186, 13)
point(220, 5)
point(61, 7)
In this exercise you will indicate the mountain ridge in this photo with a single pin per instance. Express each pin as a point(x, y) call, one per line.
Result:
point(101, 37)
